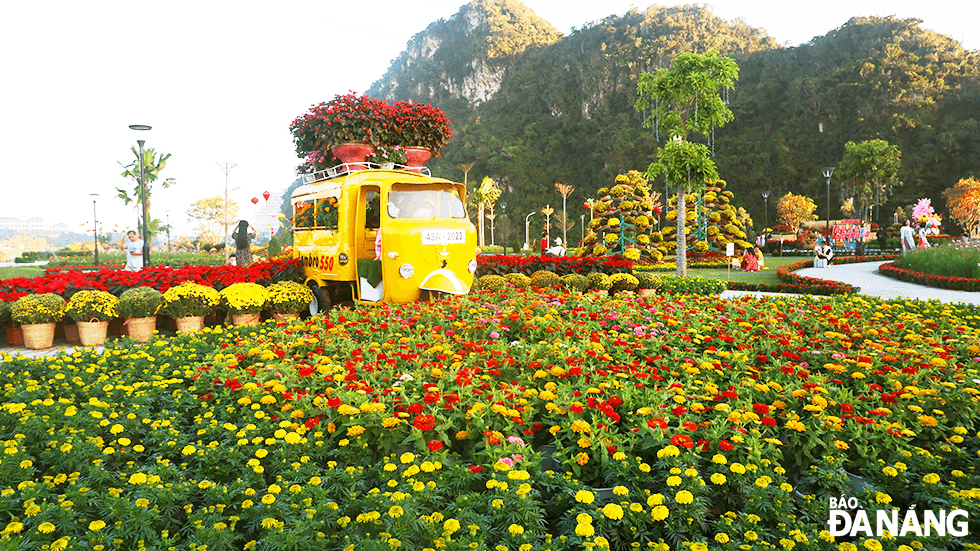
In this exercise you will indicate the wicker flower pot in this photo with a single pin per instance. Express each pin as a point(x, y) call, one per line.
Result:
point(646, 292)
point(280, 318)
point(141, 329)
point(189, 323)
point(38, 336)
point(92, 333)
point(245, 319)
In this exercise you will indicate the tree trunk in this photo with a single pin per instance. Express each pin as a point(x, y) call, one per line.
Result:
point(681, 237)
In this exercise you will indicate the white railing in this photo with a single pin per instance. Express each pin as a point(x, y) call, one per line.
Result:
point(348, 168)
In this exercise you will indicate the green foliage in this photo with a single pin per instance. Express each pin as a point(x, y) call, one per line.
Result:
point(575, 282)
point(869, 171)
point(140, 302)
point(946, 260)
point(4, 313)
point(646, 279)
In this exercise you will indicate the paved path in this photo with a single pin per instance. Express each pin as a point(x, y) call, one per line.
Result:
point(865, 275)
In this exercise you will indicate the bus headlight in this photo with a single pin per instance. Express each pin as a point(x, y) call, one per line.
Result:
point(472, 266)
point(406, 270)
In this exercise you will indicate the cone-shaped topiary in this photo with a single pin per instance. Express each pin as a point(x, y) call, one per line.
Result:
point(624, 218)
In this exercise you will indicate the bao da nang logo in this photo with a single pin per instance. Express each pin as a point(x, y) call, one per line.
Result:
point(846, 519)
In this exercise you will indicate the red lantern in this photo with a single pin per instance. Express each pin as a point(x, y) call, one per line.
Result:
point(255, 200)
point(266, 194)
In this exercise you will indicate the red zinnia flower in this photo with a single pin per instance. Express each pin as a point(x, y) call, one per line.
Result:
point(434, 445)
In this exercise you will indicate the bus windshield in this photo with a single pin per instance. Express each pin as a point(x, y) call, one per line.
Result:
point(423, 203)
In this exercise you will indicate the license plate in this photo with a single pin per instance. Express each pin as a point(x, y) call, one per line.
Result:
point(443, 237)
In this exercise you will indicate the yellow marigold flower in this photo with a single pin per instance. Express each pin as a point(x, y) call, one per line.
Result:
point(890, 471)
point(451, 526)
point(721, 537)
point(395, 511)
point(390, 422)
point(928, 421)
point(407, 457)
point(582, 458)
point(515, 529)
point(584, 530)
point(673, 481)
point(659, 513)
point(45, 528)
point(718, 478)
point(268, 499)
point(612, 511)
point(137, 478)
point(96, 525)
point(293, 438)
point(579, 426)
point(668, 451)
point(931, 478)
point(584, 496)
point(684, 497)
point(737, 468)
point(355, 430)
point(188, 450)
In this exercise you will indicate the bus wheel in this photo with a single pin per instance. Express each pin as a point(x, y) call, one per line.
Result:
point(321, 299)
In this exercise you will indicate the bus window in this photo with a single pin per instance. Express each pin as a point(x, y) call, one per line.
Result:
point(303, 215)
point(372, 210)
point(425, 203)
point(326, 213)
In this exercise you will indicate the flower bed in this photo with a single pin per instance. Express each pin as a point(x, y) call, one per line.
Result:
point(500, 264)
point(65, 282)
point(423, 425)
point(932, 280)
point(813, 285)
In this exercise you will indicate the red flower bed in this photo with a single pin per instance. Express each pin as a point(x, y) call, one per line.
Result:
point(500, 264)
point(817, 286)
point(932, 280)
point(67, 282)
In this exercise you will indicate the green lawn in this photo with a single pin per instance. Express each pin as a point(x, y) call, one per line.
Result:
point(21, 271)
point(767, 277)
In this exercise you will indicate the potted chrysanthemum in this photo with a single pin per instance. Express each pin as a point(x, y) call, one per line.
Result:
point(244, 301)
point(188, 303)
point(37, 315)
point(139, 306)
point(92, 311)
point(287, 298)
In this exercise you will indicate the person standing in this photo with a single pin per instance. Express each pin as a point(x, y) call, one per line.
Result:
point(243, 243)
point(544, 242)
point(907, 236)
point(134, 252)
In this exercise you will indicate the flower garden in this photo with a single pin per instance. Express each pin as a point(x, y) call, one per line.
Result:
point(511, 419)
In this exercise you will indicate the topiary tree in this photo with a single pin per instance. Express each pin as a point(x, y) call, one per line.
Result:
point(624, 223)
point(710, 219)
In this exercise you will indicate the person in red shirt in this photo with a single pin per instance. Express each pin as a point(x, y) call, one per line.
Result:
point(544, 242)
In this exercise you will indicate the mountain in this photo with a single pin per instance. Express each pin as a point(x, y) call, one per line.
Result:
point(531, 107)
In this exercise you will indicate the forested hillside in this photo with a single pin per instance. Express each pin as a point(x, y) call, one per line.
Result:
point(531, 108)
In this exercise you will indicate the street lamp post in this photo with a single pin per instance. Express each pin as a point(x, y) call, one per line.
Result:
point(503, 213)
point(828, 171)
point(95, 220)
point(146, 224)
point(765, 196)
point(527, 230)
point(168, 232)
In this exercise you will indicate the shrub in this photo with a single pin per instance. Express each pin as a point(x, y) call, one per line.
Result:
point(189, 299)
point(491, 283)
point(140, 302)
point(244, 298)
point(599, 281)
point(4, 313)
point(692, 285)
point(520, 281)
point(647, 280)
point(38, 308)
point(92, 306)
point(575, 282)
point(623, 282)
point(544, 278)
point(288, 297)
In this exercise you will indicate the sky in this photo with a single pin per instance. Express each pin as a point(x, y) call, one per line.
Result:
point(220, 81)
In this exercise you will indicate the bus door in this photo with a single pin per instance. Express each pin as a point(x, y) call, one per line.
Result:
point(370, 286)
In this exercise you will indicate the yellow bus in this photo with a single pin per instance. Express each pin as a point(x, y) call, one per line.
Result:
point(427, 243)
